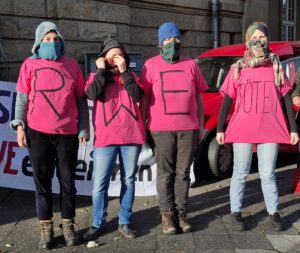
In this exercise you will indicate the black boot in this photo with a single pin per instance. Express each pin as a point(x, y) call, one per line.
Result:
point(273, 222)
point(92, 233)
point(236, 222)
point(127, 231)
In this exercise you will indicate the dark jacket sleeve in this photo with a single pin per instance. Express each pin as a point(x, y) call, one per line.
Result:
point(130, 85)
point(96, 89)
point(83, 118)
point(290, 113)
point(296, 90)
point(227, 101)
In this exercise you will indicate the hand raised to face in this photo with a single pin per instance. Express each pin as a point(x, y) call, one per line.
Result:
point(120, 62)
point(100, 63)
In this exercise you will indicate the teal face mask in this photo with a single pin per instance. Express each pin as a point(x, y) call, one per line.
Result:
point(50, 50)
point(171, 52)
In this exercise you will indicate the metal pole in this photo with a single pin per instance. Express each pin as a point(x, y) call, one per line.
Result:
point(215, 23)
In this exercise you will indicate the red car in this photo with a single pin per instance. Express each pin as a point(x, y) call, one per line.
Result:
point(215, 65)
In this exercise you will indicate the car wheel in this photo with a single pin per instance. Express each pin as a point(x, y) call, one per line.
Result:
point(220, 159)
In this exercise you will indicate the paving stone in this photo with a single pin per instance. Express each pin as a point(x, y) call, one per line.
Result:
point(212, 241)
point(133, 251)
point(178, 242)
point(144, 242)
point(176, 251)
point(254, 251)
point(208, 224)
point(215, 251)
point(250, 240)
point(296, 225)
point(23, 240)
point(295, 249)
point(209, 213)
point(284, 243)
point(6, 230)
point(108, 242)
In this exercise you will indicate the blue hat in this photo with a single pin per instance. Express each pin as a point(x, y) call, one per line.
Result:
point(167, 30)
point(42, 29)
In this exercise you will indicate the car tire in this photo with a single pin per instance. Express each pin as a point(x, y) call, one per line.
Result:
point(220, 159)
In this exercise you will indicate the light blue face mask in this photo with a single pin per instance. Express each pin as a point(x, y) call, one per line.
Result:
point(50, 50)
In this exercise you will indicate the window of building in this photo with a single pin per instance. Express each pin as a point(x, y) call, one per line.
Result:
point(288, 19)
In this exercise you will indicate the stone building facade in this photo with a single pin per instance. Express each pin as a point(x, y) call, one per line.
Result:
point(84, 23)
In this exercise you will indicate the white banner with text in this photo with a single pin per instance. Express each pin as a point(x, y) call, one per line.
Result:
point(16, 170)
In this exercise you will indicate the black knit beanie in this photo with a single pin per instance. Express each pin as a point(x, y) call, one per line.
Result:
point(110, 43)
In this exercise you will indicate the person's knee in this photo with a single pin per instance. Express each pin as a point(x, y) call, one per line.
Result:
point(128, 180)
point(239, 175)
point(100, 187)
point(267, 176)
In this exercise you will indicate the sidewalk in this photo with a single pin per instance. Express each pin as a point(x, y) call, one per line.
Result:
point(209, 214)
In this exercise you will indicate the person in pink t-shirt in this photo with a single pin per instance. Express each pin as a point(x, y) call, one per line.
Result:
point(119, 131)
point(257, 84)
point(172, 109)
point(51, 118)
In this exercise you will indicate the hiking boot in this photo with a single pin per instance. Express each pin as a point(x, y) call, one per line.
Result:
point(69, 234)
point(184, 223)
point(168, 223)
point(236, 222)
point(126, 231)
point(92, 233)
point(47, 234)
point(274, 222)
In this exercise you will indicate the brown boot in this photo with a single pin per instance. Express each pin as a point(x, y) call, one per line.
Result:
point(168, 223)
point(69, 232)
point(47, 234)
point(184, 223)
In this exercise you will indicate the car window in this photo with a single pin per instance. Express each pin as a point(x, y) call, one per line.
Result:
point(215, 70)
point(290, 67)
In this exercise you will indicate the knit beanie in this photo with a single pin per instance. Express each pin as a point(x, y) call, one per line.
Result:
point(167, 30)
point(256, 26)
point(42, 29)
point(110, 43)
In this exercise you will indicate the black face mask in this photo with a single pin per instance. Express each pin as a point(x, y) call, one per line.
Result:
point(171, 52)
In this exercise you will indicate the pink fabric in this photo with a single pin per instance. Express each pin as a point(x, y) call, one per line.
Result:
point(117, 120)
point(172, 89)
point(52, 88)
point(258, 115)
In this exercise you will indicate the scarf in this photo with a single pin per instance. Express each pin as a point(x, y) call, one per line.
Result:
point(258, 54)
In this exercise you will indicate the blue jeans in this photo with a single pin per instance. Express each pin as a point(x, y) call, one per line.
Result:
point(104, 159)
point(267, 156)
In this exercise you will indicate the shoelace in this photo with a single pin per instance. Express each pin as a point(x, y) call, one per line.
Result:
point(68, 229)
point(46, 232)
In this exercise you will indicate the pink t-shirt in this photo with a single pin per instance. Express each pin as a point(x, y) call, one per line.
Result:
point(117, 119)
point(52, 88)
point(258, 116)
point(172, 89)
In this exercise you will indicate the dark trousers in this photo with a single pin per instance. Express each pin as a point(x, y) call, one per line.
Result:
point(46, 151)
point(174, 155)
